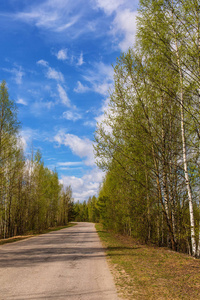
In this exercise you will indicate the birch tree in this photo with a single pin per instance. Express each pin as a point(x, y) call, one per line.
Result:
point(179, 48)
point(154, 117)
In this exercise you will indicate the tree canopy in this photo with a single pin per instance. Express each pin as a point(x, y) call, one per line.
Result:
point(151, 152)
point(31, 197)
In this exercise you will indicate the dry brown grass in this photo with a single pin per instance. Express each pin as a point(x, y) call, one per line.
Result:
point(147, 272)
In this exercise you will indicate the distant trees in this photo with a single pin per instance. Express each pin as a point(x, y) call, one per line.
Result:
point(151, 149)
point(66, 206)
point(31, 197)
point(87, 211)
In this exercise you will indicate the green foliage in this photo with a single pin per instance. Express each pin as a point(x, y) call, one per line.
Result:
point(31, 197)
point(87, 211)
point(153, 118)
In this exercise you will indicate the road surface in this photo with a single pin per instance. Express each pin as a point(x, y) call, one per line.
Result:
point(66, 264)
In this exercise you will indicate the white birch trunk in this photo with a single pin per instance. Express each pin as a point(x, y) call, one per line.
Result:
point(198, 43)
point(187, 180)
point(171, 194)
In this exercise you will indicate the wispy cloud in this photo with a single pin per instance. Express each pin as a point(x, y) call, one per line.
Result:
point(64, 18)
point(72, 116)
point(124, 21)
point(27, 135)
point(38, 107)
point(109, 6)
point(69, 164)
point(52, 15)
point(71, 57)
point(102, 116)
point(77, 35)
point(63, 96)
point(89, 123)
point(17, 73)
point(53, 74)
point(21, 101)
point(62, 54)
point(100, 78)
point(43, 62)
point(82, 147)
point(104, 108)
point(65, 26)
point(80, 60)
point(50, 72)
point(80, 88)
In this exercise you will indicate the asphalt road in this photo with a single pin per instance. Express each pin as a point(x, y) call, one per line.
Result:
point(66, 264)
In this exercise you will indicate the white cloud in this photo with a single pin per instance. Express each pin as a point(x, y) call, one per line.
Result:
point(50, 15)
point(39, 18)
point(80, 60)
point(62, 54)
point(50, 72)
point(125, 23)
point(63, 96)
point(17, 73)
point(27, 135)
point(49, 104)
point(109, 6)
point(65, 26)
point(82, 147)
point(90, 123)
point(70, 115)
point(86, 186)
point(39, 106)
point(64, 18)
point(21, 101)
point(100, 79)
point(69, 168)
point(73, 59)
point(96, 84)
point(104, 108)
point(53, 74)
point(80, 88)
point(18, 76)
point(69, 163)
point(22, 143)
point(102, 117)
point(103, 88)
point(43, 62)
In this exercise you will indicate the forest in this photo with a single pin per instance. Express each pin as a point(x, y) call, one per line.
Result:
point(31, 197)
point(149, 141)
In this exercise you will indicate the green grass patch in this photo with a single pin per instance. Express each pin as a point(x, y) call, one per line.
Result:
point(33, 233)
point(149, 272)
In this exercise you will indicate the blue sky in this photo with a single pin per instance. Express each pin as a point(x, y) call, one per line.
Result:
point(56, 58)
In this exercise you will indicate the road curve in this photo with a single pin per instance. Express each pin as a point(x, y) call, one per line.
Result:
point(66, 264)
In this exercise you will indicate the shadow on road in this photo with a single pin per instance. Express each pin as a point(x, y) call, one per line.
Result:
point(52, 247)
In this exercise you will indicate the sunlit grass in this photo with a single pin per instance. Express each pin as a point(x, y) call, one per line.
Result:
point(148, 272)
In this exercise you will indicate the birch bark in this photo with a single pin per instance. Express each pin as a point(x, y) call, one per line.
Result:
point(184, 152)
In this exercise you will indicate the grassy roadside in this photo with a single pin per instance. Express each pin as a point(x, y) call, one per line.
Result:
point(33, 233)
point(147, 272)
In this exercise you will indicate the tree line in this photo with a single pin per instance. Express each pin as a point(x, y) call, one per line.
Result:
point(149, 141)
point(31, 197)
point(87, 211)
